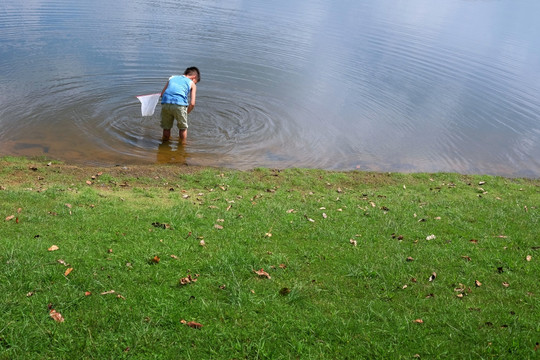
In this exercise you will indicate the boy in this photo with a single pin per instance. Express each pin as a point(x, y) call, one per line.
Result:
point(177, 101)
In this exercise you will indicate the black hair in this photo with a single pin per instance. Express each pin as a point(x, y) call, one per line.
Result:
point(192, 71)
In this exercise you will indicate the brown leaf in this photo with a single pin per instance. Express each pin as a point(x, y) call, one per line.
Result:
point(505, 284)
point(60, 261)
point(174, 257)
point(353, 242)
point(194, 325)
point(466, 257)
point(68, 271)
point(410, 259)
point(88, 182)
point(87, 293)
point(419, 321)
point(154, 260)
point(477, 283)
point(108, 292)
point(31, 293)
point(219, 227)
point(68, 206)
point(188, 279)
point(284, 291)
point(528, 258)
point(53, 248)
point(433, 276)
point(262, 273)
point(282, 266)
point(56, 316)
point(474, 241)
point(10, 217)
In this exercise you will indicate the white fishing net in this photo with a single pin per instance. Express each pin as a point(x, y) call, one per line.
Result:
point(148, 103)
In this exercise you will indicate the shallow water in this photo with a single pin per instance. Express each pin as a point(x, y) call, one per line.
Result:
point(386, 85)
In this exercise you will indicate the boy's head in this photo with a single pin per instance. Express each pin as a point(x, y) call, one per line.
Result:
point(193, 71)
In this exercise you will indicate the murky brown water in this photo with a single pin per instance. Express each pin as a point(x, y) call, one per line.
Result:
point(450, 85)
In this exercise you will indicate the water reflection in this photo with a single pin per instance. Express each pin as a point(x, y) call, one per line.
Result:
point(168, 153)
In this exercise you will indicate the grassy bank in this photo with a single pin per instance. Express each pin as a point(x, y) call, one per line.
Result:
point(174, 262)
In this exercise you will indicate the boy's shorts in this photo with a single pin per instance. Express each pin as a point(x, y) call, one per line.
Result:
point(170, 112)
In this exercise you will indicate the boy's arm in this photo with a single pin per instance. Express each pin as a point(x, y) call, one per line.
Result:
point(192, 98)
point(165, 88)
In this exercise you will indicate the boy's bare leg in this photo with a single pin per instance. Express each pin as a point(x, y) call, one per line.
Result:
point(183, 135)
point(166, 134)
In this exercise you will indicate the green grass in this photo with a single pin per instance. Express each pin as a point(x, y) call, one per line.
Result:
point(326, 299)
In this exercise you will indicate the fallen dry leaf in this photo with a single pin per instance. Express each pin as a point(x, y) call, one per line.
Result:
point(262, 273)
point(56, 316)
point(290, 211)
point(431, 237)
point(10, 217)
point(505, 284)
point(160, 225)
point(410, 259)
point(194, 325)
point(68, 271)
point(466, 257)
point(53, 248)
point(154, 260)
point(87, 293)
point(284, 291)
point(477, 283)
point(282, 266)
point(68, 206)
point(353, 242)
point(219, 227)
point(433, 276)
point(529, 258)
point(31, 293)
point(419, 321)
point(108, 292)
point(174, 257)
point(188, 279)
point(60, 261)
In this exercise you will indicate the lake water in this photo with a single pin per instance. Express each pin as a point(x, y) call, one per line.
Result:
point(382, 85)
